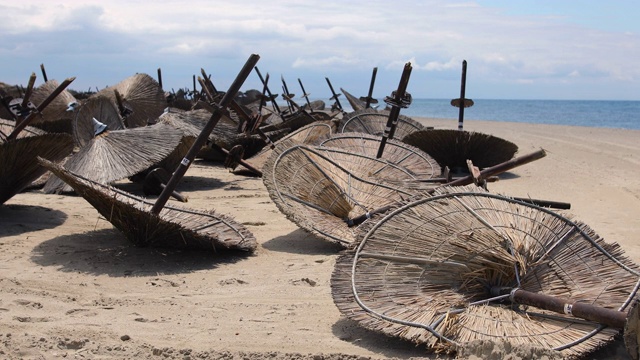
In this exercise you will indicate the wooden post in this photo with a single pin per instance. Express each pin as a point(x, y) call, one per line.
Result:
point(160, 77)
point(273, 101)
point(204, 135)
point(304, 94)
point(27, 94)
point(22, 124)
point(396, 104)
point(370, 94)
point(463, 84)
point(44, 73)
point(334, 96)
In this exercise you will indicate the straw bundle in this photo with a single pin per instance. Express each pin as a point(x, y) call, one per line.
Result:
point(55, 117)
point(318, 188)
point(452, 148)
point(312, 134)
point(18, 164)
point(142, 94)
point(374, 122)
point(423, 273)
point(119, 154)
point(396, 152)
point(174, 227)
point(99, 108)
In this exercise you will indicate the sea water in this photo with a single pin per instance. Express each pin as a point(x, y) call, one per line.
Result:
point(591, 113)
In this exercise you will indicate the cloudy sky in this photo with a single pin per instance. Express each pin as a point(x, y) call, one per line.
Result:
point(545, 49)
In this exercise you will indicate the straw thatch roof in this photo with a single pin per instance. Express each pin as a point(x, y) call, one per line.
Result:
point(319, 188)
point(312, 134)
point(119, 154)
point(18, 164)
point(99, 108)
point(142, 94)
point(452, 148)
point(55, 117)
point(173, 227)
point(356, 103)
point(374, 122)
point(413, 159)
point(425, 271)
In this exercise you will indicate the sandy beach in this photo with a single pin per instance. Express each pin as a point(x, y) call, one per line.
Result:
point(72, 286)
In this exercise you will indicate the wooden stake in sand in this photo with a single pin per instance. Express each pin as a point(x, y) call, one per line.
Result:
point(369, 99)
point(204, 135)
point(398, 99)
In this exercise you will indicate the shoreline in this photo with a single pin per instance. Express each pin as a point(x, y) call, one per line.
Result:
point(71, 284)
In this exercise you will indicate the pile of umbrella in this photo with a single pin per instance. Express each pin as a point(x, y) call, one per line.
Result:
point(428, 257)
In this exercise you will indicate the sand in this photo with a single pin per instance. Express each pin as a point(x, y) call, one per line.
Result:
point(72, 286)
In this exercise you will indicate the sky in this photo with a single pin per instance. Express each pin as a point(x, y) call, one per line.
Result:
point(586, 50)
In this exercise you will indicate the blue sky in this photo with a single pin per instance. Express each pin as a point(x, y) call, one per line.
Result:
point(514, 49)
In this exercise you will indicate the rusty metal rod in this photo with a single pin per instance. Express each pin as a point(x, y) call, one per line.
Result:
point(22, 124)
point(204, 135)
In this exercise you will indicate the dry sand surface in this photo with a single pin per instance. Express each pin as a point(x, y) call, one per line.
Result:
point(71, 286)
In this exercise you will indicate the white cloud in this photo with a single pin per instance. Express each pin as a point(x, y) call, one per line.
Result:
point(340, 36)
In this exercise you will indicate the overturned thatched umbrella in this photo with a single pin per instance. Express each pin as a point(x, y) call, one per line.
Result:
point(173, 227)
point(58, 115)
point(454, 268)
point(374, 122)
point(96, 109)
point(413, 159)
point(312, 134)
point(139, 99)
point(356, 103)
point(119, 154)
point(321, 188)
point(453, 148)
point(18, 157)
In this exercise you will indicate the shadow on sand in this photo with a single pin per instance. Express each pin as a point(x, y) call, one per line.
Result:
point(107, 252)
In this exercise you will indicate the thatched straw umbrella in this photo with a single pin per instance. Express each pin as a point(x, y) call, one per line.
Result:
point(18, 164)
point(119, 154)
point(312, 134)
point(99, 108)
point(173, 227)
point(58, 115)
point(434, 272)
point(142, 99)
point(321, 188)
point(356, 103)
point(453, 148)
point(413, 159)
point(374, 122)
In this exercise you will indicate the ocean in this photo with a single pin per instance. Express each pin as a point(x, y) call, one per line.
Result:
point(591, 113)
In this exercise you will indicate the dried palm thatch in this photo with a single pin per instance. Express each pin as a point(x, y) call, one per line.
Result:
point(18, 164)
point(319, 188)
point(99, 108)
point(356, 103)
point(173, 227)
point(413, 159)
point(140, 93)
point(312, 134)
point(119, 154)
point(374, 122)
point(426, 272)
point(55, 117)
point(291, 121)
point(453, 148)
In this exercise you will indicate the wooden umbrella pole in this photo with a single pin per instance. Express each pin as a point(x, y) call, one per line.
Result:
point(27, 94)
point(304, 94)
point(613, 318)
point(486, 173)
point(44, 73)
point(370, 94)
point(334, 95)
point(499, 168)
point(22, 124)
point(271, 97)
point(463, 85)
point(204, 135)
point(396, 102)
